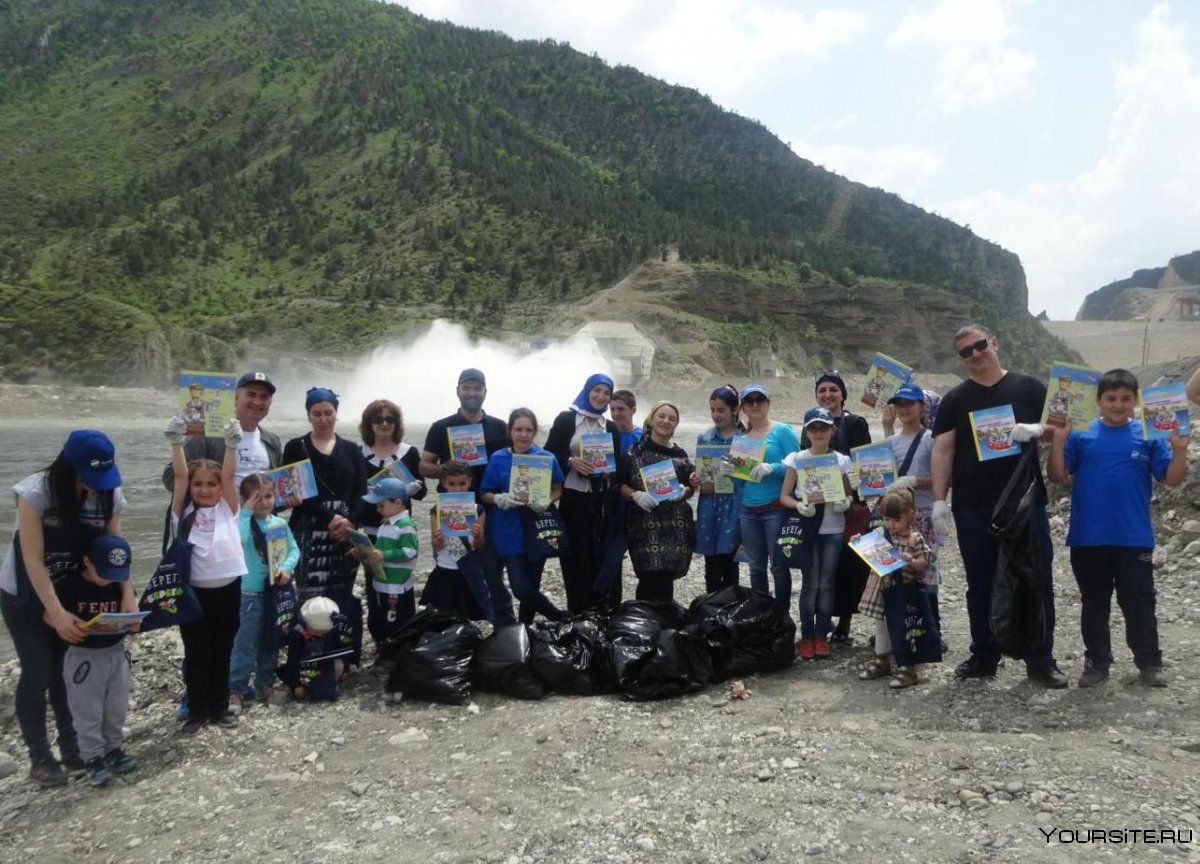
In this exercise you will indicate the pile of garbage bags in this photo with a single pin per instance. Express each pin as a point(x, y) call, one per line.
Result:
point(642, 651)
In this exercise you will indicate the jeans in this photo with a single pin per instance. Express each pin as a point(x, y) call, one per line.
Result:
point(760, 530)
point(816, 587)
point(1098, 569)
point(502, 601)
point(255, 648)
point(40, 654)
point(979, 554)
point(526, 580)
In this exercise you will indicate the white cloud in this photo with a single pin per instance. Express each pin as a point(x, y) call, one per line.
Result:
point(1137, 197)
point(906, 169)
point(977, 65)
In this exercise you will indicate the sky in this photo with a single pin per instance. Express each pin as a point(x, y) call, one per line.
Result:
point(1059, 129)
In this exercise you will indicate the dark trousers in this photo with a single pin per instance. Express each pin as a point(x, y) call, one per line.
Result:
point(207, 648)
point(493, 575)
point(40, 654)
point(1098, 569)
point(656, 585)
point(579, 568)
point(979, 553)
point(720, 571)
point(526, 580)
point(386, 612)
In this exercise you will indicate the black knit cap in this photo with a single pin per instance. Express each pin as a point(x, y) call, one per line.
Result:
point(836, 378)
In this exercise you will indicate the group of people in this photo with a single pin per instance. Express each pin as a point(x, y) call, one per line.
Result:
point(69, 563)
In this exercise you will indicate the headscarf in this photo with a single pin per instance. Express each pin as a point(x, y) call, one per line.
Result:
point(728, 394)
point(582, 405)
point(320, 394)
point(654, 410)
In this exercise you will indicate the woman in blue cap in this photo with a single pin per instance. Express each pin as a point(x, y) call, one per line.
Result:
point(59, 511)
point(588, 500)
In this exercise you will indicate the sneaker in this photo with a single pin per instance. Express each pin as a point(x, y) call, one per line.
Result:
point(227, 719)
point(97, 772)
point(181, 713)
point(805, 649)
point(120, 762)
point(265, 694)
point(235, 704)
point(1093, 673)
point(975, 667)
point(48, 772)
point(1049, 676)
point(192, 726)
point(820, 647)
point(1153, 676)
point(72, 761)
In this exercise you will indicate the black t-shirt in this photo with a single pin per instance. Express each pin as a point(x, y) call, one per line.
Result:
point(975, 483)
point(495, 437)
point(86, 600)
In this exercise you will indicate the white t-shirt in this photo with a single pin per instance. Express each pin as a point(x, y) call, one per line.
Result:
point(831, 523)
point(217, 557)
point(921, 464)
point(32, 490)
point(252, 457)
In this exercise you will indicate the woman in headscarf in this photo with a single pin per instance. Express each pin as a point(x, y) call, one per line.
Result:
point(588, 499)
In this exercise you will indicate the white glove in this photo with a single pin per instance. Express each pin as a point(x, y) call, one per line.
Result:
point(414, 487)
point(644, 500)
point(505, 501)
point(943, 519)
point(725, 468)
point(840, 506)
point(537, 506)
point(1024, 432)
point(677, 495)
point(908, 481)
point(759, 471)
point(853, 478)
point(806, 510)
point(174, 431)
point(233, 433)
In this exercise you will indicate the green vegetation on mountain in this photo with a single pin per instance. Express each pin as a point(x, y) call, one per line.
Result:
point(324, 173)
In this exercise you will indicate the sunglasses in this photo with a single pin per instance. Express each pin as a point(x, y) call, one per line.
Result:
point(383, 420)
point(755, 399)
point(829, 372)
point(973, 348)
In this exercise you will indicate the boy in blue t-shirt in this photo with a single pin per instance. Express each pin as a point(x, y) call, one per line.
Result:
point(1111, 536)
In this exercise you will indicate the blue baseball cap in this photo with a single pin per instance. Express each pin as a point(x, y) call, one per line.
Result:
point(387, 489)
point(908, 392)
point(111, 557)
point(93, 457)
point(818, 415)
point(750, 389)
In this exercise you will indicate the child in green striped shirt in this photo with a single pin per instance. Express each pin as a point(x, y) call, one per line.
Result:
point(396, 550)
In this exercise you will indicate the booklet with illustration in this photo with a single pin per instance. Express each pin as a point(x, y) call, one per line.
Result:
point(661, 481)
point(819, 479)
point(990, 429)
point(1165, 410)
point(708, 463)
point(596, 448)
point(876, 466)
point(467, 444)
point(206, 401)
point(1071, 395)
point(397, 470)
point(883, 379)
point(295, 480)
point(530, 477)
point(112, 623)
point(456, 513)
point(365, 548)
point(879, 553)
point(277, 548)
point(745, 453)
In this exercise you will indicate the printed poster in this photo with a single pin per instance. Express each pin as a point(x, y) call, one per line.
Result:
point(206, 401)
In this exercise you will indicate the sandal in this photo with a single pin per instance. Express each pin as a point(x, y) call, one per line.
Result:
point(880, 667)
point(906, 676)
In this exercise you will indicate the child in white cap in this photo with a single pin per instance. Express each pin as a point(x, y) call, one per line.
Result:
point(315, 655)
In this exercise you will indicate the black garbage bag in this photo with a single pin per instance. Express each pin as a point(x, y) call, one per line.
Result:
point(651, 655)
point(433, 652)
point(746, 631)
point(633, 635)
point(1018, 616)
point(502, 664)
point(571, 656)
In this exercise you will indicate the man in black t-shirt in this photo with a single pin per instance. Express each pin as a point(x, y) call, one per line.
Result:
point(978, 486)
point(472, 390)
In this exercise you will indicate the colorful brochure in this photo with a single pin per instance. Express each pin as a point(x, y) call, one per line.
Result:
point(531, 477)
point(206, 401)
point(708, 463)
point(819, 480)
point(1165, 410)
point(397, 469)
point(876, 466)
point(596, 448)
point(661, 481)
point(991, 428)
point(366, 549)
point(467, 444)
point(879, 553)
point(1071, 395)
point(113, 623)
point(295, 480)
point(883, 379)
point(277, 549)
point(744, 453)
point(456, 513)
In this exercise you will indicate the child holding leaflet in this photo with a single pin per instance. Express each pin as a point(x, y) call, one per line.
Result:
point(447, 586)
point(396, 550)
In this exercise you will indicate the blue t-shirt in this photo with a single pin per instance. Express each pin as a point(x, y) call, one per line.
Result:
point(504, 526)
point(628, 439)
point(1110, 502)
point(781, 440)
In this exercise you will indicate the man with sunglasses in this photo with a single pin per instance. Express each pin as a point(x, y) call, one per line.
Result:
point(978, 486)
